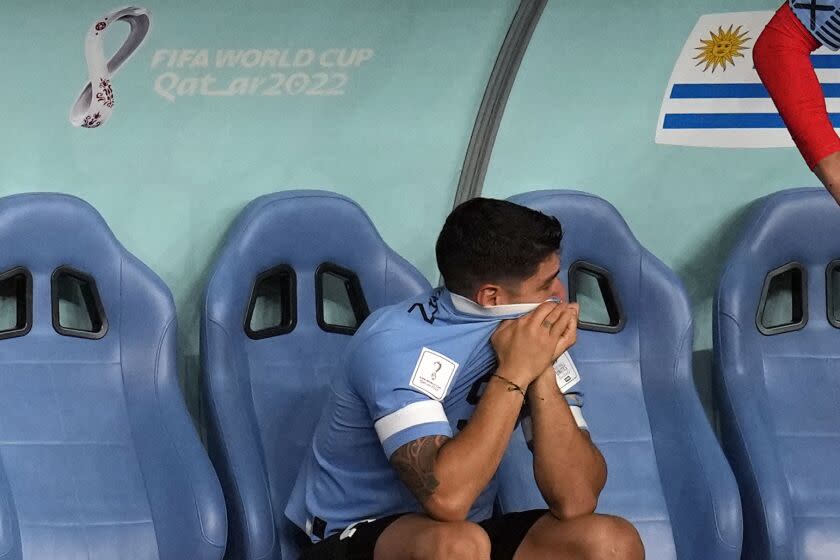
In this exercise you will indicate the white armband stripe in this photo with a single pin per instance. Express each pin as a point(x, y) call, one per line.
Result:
point(577, 413)
point(422, 412)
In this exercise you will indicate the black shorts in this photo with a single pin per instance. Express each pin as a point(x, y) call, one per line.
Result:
point(506, 533)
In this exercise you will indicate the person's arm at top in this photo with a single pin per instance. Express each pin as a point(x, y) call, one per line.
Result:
point(782, 59)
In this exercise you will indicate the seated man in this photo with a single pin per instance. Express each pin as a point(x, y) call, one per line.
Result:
point(417, 424)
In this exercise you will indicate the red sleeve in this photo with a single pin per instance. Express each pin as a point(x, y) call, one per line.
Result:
point(782, 59)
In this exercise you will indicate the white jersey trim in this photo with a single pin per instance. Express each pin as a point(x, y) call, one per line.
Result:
point(415, 414)
point(468, 306)
point(577, 413)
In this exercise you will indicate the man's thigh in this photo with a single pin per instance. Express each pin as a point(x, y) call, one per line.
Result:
point(418, 536)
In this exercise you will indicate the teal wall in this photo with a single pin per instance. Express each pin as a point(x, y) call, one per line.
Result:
point(170, 176)
point(582, 114)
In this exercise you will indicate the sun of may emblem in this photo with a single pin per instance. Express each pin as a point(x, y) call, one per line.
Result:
point(723, 47)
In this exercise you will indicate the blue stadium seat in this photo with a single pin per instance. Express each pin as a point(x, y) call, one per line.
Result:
point(777, 358)
point(667, 473)
point(298, 271)
point(99, 458)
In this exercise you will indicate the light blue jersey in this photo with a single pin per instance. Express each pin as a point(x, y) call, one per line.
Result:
point(413, 369)
point(821, 18)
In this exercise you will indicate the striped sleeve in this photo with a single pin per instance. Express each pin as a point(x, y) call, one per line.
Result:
point(781, 58)
point(821, 18)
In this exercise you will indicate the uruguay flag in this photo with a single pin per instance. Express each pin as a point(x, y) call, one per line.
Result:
point(715, 97)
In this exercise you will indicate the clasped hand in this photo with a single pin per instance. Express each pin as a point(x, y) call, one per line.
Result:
point(527, 346)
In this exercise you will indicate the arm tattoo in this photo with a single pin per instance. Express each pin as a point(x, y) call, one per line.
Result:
point(415, 463)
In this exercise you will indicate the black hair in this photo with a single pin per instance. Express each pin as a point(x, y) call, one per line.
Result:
point(488, 240)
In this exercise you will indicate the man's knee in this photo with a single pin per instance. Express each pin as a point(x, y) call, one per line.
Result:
point(614, 537)
point(458, 541)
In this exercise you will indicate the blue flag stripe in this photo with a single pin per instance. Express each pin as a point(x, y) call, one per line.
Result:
point(825, 60)
point(678, 121)
point(735, 91)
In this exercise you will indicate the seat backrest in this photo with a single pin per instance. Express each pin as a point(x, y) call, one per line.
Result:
point(633, 349)
point(265, 389)
point(776, 320)
point(98, 456)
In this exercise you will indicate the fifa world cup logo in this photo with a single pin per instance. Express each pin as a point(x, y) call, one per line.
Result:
point(95, 103)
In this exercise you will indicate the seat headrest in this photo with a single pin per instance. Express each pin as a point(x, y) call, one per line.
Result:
point(592, 228)
point(790, 226)
point(304, 229)
point(794, 224)
point(596, 236)
point(42, 231)
point(74, 259)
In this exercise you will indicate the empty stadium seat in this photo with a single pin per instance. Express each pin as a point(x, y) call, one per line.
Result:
point(777, 359)
point(297, 274)
point(667, 473)
point(99, 458)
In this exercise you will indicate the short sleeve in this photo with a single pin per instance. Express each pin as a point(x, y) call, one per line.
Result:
point(404, 402)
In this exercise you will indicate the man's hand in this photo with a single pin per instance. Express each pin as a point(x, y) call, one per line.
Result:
point(528, 345)
point(567, 323)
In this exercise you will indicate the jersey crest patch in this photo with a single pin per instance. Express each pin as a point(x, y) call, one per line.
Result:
point(433, 374)
point(566, 373)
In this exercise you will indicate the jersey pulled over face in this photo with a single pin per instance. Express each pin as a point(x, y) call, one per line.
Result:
point(414, 369)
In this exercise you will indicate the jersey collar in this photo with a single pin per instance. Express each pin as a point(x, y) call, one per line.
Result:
point(469, 307)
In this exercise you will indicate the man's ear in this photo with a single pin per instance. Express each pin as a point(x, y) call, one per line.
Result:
point(488, 295)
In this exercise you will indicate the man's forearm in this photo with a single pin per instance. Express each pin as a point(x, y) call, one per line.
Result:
point(465, 464)
point(569, 470)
